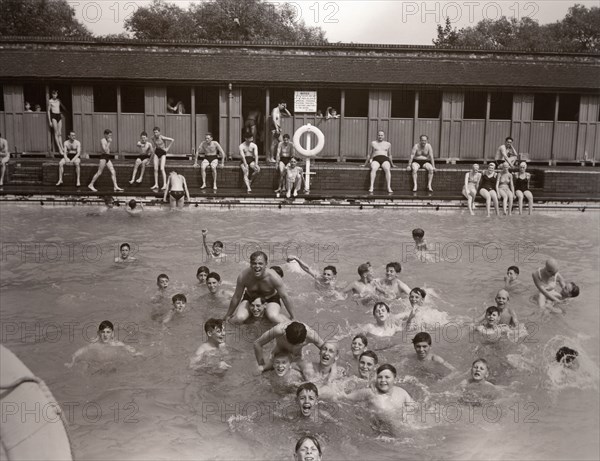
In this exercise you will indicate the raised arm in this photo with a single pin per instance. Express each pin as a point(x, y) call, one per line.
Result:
point(204, 233)
point(304, 267)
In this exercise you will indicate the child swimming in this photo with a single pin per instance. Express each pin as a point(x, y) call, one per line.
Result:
point(214, 347)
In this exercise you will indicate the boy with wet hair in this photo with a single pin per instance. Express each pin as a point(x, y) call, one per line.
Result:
point(215, 342)
point(422, 344)
point(217, 248)
point(283, 377)
point(124, 251)
point(367, 363)
point(366, 285)
point(418, 235)
point(289, 337)
point(202, 274)
point(507, 314)
point(133, 209)
point(490, 328)
point(325, 280)
point(391, 286)
point(511, 280)
point(179, 307)
point(479, 373)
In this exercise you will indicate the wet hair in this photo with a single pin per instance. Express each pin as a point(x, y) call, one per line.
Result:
point(156, 128)
point(513, 268)
point(371, 354)
point(422, 337)
point(278, 270)
point(162, 276)
point(258, 253)
point(107, 131)
point(567, 354)
point(387, 366)
point(179, 297)
point(211, 324)
point(218, 243)
point(109, 200)
point(143, 133)
point(331, 268)
point(286, 136)
point(261, 298)
point(281, 354)
point(396, 266)
point(418, 232)
point(574, 291)
point(421, 291)
point(508, 137)
point(213, 275)
point(380, 303)
point(132, 204)
point(363, 338)
point(106, 324)
point(313, 439)
point(484, 361)
point(123, 245)
point(363, 268)
point(307, 387)
point(295, 333)
point(491, 309)
point(202, 269)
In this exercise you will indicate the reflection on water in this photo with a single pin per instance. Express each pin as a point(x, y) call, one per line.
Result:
point(58, 282)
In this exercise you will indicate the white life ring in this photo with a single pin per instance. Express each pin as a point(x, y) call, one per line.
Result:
point(320, 140)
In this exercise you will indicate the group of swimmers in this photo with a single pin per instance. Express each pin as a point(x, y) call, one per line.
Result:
point(260, 295)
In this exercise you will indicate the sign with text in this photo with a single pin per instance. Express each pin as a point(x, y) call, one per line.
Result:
point(305, 101)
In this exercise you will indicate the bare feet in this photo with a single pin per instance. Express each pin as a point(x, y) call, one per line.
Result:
point(139, 181)
point(92, 188)
point(295, 193)
point(154, 188)
point(118, 189)
point(203, 186)
point(59, 182)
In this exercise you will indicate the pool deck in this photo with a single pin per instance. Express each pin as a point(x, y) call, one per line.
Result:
point(333, 184)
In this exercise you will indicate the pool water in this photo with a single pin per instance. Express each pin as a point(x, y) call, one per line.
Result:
point(59, 281)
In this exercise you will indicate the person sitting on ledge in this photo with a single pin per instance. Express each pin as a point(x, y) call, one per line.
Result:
point(380, 157)
point(507, 153)
point(521, 183)
point(422, 157)
point(71, 156)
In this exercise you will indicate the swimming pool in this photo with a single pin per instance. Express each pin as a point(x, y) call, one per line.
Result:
point(58, 281)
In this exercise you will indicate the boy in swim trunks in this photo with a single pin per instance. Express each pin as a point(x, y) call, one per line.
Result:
point(162, 144)
point(105, 160)
point(71, 156)
point(145, 154)
point(293, 178)
point(285, 152)
point(422, 157)
point(212, 151)
point(289, 337)
point(507, 153)
point(55, 119)
point(249, 160)
point(276, 114)
point(177, 190)
point(380, 156)
point(4, 157)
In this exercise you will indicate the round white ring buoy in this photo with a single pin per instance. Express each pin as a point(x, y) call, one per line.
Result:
point(320, 140)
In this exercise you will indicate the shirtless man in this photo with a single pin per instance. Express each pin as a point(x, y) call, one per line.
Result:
point(276, 115)
point(55, 119)
point(4, 157)
point(105, 161)
point(366, 285)
point(249, 159)
point(258, 281)
point(326, 369)
point(380, 157)
point(424, 356)
point(213, 152)
point(507, 153)
point(391, 284)
point(176, 188)
point(71, 154)
point(289, 337)
point(145, 154)
point(422, 157)
point(325, 280)
point(162, 144)
point(285, 152)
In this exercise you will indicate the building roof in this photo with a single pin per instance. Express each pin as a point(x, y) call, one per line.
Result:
point(285, 64)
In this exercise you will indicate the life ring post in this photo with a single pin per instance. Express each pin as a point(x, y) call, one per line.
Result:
point(309, 151)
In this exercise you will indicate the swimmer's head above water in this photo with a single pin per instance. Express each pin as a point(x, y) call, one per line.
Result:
point(106, 331)
point(329, 353)
point(367, 362)
point(215, 330)
point(567, 357)
point(307, 397)
point(479, 370)
point(359, 344)
point(202, 274)
point(416, 296)
point(386, 375)
point(392, 270)
point(422, 344)
point(213, 282)
point(308, 448)
point(295, 333)
point(365, 271)
point(381, 312)
point(179, 301)
point(258, 263)
point(282, 362)
point(257, 307)
point(162, 281)
point(329, 274)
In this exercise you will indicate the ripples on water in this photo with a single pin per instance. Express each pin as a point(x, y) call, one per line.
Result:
point(155, 407)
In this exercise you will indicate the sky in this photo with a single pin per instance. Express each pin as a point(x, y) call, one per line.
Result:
point(360, 21)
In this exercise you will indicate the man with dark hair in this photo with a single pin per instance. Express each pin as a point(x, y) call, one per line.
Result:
point(258, 281)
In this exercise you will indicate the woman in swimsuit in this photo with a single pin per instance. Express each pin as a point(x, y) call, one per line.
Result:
point(521, 182)
point(505, 188)
point(487, 185)
point(55, 119)
point(470, 188)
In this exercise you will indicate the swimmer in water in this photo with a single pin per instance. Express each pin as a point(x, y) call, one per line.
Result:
point(422, 344)
point(307, 400)
point(215, 342)
point(257, 310)
point(385, 323)
point(359, 345)
point(367, 362)
point(308, 448)
point(507, 314)
point(511, 280)
point(105, 338)
point(283, 375)
point(325, 370)
point(289, 337)
point(418, 235)
point(133, 209)
point(326, 280)
point(383, 396)
point(202, 275)
point(567, 357)
point(217, 249)
point(490, 328)
point(479, 374)
point(391, 285)
point(366, 286)
point(125, 257)
point(216, 296)
point(258, 281)
point(552, 286)
point(179, 307)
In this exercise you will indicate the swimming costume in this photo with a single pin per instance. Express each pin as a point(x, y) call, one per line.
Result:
point(475, 180)
point(160, 152)
point(211, 158)
point(106, 157)
point(550, 284)
point(381, 159)
point(177, 194)
point(249, 160)
point(56, 117)
point(274, 298)
point(420, 162)
point(504, 181)
point(488, 183)
point(143, 157)
point(285, 160)
point(521, 184)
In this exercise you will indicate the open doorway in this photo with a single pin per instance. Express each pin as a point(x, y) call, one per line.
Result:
point(253, 107)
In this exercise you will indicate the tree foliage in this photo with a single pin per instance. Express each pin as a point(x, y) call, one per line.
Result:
point(578, 31)
point(247, 20)
point(44, 18)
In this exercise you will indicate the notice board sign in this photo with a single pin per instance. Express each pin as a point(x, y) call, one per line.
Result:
point(305, 101)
